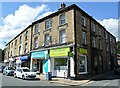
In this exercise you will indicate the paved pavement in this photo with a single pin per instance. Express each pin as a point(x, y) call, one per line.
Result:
point(11, 81)
point(108, 79)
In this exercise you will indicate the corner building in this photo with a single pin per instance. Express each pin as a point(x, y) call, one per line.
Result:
point(70, 43)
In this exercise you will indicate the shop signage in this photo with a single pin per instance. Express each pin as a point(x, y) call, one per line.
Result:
point(59, 52)
point(70, 54)
point(83, 51)
point(38, 54)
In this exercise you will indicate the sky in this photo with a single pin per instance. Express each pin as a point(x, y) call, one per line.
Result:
point(16, 16)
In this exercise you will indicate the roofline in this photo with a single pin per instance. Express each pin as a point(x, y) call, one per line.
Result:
point(60, 11)
point(19, 34)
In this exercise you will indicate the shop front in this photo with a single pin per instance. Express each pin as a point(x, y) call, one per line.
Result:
point(25, 61)
point(82, 61)
point(40, 61)
point(60, 62)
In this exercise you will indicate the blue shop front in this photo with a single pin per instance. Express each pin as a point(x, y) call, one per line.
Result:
point(40, 61)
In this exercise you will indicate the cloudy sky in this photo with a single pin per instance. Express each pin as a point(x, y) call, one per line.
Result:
point(16, 16)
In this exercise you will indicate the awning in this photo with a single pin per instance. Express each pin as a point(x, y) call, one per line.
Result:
point(24, 58)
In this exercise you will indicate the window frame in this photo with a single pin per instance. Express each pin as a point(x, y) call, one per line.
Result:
point(62, 39)
point(86, 69)
point(36, 42)
point(48, 24)
point(63, 19)
point(84, 21)
point(36, 29)
point(94, 42)
point(84, 37)
point(47, 39)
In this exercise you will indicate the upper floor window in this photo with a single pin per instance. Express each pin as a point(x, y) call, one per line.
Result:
point(11, 53)
point(84, 39)
point(12, 45)
point(62, 36)
point(48, 24)
point(36, 28)
point(20, 39)
point(36, 42)
point(26, 46)
point(15, 42)
point(47, 39)
point(113, 40)
point(26, 35)
point(94, 42)
point(62, 19)
point(107, 47)
point(92, 26)
point(20, 50)
point(100, 44)
point(100, 31)
point(83, 21)
point(106, 35)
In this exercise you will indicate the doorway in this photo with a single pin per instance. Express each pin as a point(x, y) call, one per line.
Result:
point(41, 66)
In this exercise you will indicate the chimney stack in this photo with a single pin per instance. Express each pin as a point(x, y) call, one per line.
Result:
point(62, 6)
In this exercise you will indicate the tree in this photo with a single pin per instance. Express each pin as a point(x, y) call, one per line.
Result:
point(118, 47)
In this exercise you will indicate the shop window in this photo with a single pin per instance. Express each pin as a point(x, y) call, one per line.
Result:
point(48, 24)
point(62, 36)
point(60, 63)
point(82, 64)
point(62, 19)
point(36, 42)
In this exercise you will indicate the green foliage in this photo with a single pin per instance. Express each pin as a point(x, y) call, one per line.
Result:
point(118, 46)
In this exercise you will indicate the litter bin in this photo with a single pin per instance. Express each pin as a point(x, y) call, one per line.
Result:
point(49, 76)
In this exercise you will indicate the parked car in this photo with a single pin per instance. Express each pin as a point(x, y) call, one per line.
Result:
point(1, 69)
point(24, 73)
point(8, 70)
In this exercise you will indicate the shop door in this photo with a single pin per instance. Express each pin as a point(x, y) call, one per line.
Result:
point(41, 66)
point(59, 67)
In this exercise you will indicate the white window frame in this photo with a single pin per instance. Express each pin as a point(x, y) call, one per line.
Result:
point(26, 35)
point(36, 29)
point(84, 37)
point(26, 47)
point(36, 42)
point(94, 41)
point(48, 24)
point(47, 38)
point(93, 27)
point(62, 19)
point(62, 36)
point(83, 21)
point(85, 64)
point(107, 47)
point(20, 39)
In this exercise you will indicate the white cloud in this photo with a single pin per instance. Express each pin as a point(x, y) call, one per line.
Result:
point(111, 25)
point(13, 24)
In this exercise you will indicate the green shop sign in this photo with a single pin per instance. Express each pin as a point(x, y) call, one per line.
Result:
point(83, 51)
point(59, 52)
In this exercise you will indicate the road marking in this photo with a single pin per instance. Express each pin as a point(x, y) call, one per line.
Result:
point(106, 84)
point(87, 83)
